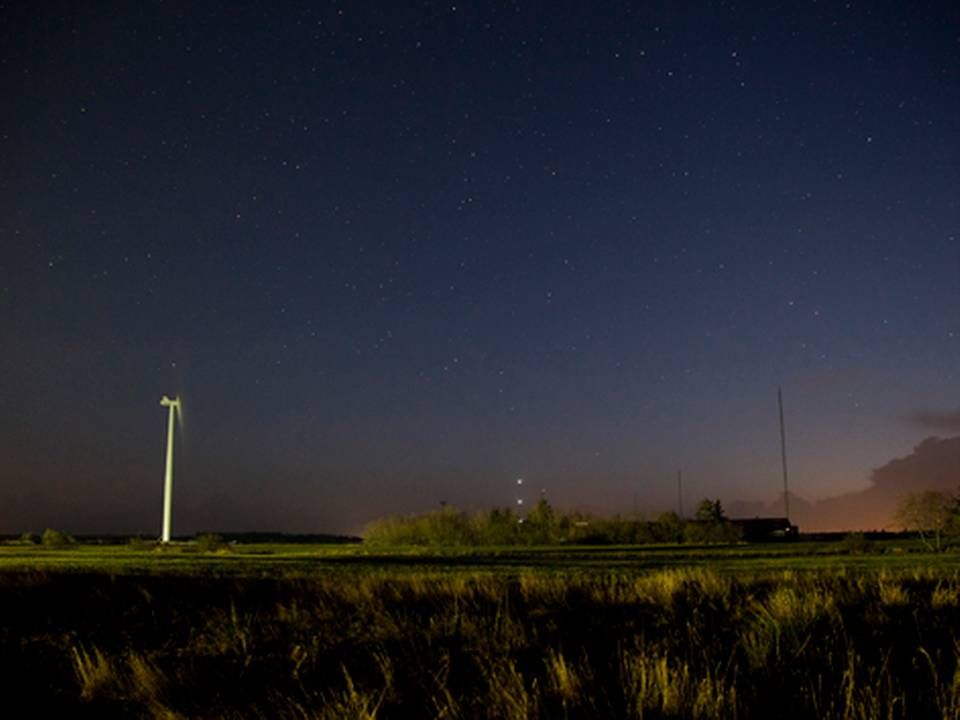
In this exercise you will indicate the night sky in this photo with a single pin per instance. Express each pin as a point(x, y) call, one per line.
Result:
point(392, 255)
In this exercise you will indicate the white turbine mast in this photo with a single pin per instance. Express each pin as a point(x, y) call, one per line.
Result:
point(174, 410)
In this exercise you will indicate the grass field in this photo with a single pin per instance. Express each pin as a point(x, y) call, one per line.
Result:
point(296, 559)
point(348, 631)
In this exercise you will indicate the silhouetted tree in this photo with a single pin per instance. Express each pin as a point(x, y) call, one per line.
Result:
point(55, 539)
point(498, 527)
point(929, 513)
point(710, 510)
point(540, 525)
point(668, 528)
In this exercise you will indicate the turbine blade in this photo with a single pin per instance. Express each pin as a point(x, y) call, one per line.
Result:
point(183, 427)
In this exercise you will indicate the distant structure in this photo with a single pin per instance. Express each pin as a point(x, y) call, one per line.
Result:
point(764, 529)
point(755, 529)
point(174, 411)
point(760, 529)
point(783, 457)
point(520, 499)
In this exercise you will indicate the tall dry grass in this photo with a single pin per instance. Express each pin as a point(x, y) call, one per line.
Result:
point(672, 644)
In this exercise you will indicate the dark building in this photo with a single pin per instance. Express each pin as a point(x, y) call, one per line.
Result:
point(766, 528)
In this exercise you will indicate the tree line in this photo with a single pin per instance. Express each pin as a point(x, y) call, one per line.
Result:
point(543, 525)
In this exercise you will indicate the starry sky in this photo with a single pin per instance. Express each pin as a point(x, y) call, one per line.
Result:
point(393, 254)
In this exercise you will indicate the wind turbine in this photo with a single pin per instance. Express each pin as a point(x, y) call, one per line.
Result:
point(174, 407)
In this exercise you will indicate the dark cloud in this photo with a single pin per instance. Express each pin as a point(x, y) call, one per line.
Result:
point(933, 420)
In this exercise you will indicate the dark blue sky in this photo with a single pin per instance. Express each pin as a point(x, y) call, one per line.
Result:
point(392, 254)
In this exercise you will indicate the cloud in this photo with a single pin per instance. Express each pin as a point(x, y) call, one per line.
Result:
point(934, 420)
point(934, 464)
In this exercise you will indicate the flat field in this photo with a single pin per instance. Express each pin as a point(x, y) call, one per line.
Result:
point(305, 559)
point(804, 629)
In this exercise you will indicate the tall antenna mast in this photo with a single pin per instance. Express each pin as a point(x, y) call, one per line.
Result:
point(174, 409)
point(783, 456)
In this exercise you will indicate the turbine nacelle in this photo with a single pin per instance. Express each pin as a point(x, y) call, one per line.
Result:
point(167, 402)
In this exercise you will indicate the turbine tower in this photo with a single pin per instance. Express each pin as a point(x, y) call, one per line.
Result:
point(174, 409)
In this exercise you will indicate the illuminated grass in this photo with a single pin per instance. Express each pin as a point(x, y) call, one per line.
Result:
point(306, 559)
point(338, 632)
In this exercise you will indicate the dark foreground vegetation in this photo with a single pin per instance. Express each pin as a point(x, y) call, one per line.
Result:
point(559, 640)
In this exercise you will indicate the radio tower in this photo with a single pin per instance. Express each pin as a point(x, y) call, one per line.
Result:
point(783, 457)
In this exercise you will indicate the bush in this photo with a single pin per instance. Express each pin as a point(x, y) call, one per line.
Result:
point(856, 543)
point(699, 531)
point(441, 527)
point(138, 543)
point(28, 538)
point(55, 539)
point(668, 528)
point(210, 542)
